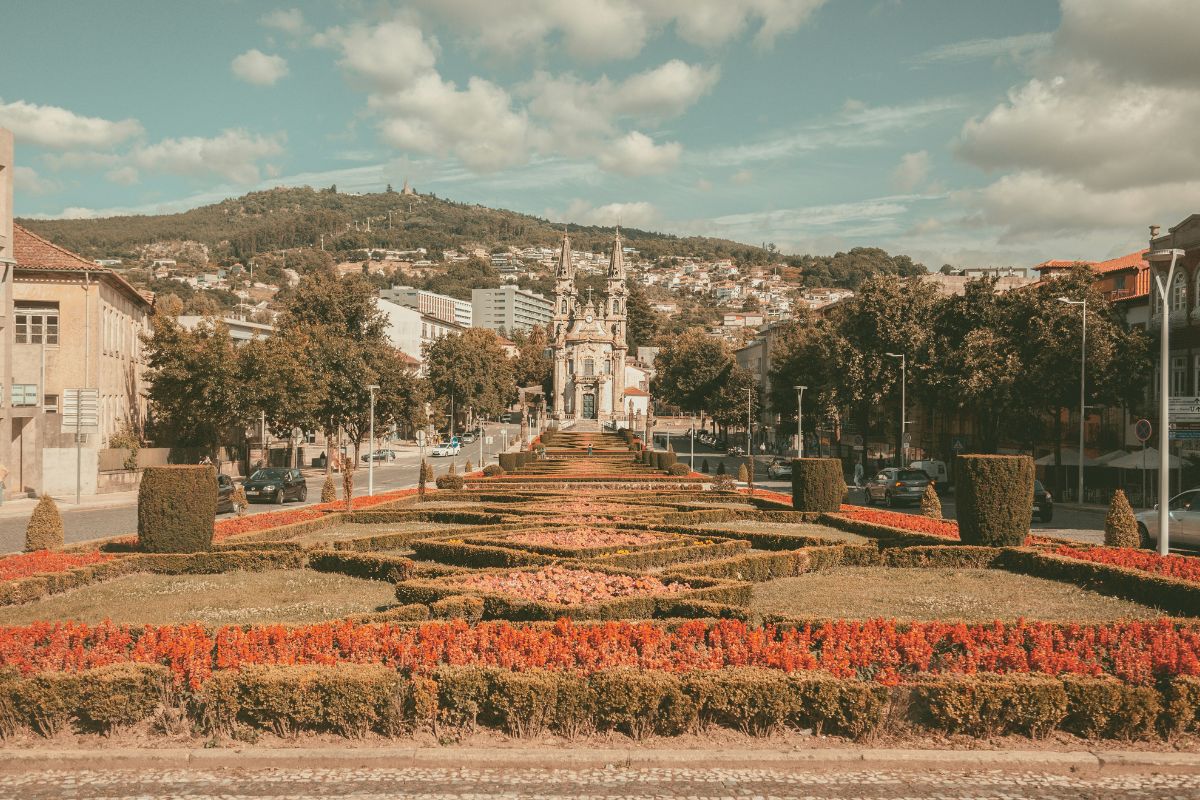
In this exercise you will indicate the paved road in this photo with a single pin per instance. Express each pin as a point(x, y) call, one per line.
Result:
point(80, 524)
point(607, 783)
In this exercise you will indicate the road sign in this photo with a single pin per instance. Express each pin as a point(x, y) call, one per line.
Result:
point(959, 445)
point(297, 433)
point(489, 440)
point(907, 439)
point(81, 411)
point(504, 431)
point(1143, 430)
point(1182, 434)
point(1184, 409)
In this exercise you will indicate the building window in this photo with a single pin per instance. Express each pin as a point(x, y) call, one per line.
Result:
point(24, 394)
point(1178, 376)
point(616, 306)
point(570, 367)
point(50, 403)
point(36, 324)
point(589, 367)
point(1179, 293)
point(564, 305)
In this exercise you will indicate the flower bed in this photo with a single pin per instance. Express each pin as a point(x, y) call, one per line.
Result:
point(568, 586)
point(234, 526)
point(43, 562)
point(879, 650)
point(909, 522)
point(1185, 568)
point(585, 538)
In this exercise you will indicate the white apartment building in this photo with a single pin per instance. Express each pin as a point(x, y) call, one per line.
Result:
point(509, 308)
point(442, 306)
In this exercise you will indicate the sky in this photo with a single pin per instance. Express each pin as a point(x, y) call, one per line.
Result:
point(969, 132)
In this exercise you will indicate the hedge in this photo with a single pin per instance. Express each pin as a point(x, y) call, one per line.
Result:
point(817, 484)
point(752, 567)
point(45, 528)
point(508, 461)
point(994, 499)
point(177, 507)
point(102, 699)
point(370, 566)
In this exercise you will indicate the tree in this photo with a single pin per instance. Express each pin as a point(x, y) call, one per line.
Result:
point(531, 367)
point(736, 398)
point(470, 369)
point(463, 276)
point(690, 369)
point(642, 322)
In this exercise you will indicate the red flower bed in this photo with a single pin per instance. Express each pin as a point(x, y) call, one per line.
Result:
point(583, 538)
point(41, 562)
point(567, 586)
point(908, 522)
point(880, 650)
point(1183, 567)
point(273, 519)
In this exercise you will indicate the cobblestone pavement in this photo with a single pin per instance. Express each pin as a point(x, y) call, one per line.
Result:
point(602, 784)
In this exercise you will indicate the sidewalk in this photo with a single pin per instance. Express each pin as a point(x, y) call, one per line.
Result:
point(23, 506)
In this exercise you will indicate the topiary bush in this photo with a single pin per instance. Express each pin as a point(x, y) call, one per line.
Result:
point(450, 481)
point(704, 466)
point(995, 499)
point(678, 469)
point(817, 484)
point(329, 490)
point(493, 470)
point(468, 467)
point(177, 507)
point(45, 528)
point(743, 473)
point(720, 467)
point(459, 606)
point(931, 506)
point(239, 501)
point(1120, 527)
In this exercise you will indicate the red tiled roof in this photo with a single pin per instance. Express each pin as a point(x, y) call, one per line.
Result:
point(633, 391)
point(1061, 264)
point(405, 358)
point(1130, 261)
point(35, 253)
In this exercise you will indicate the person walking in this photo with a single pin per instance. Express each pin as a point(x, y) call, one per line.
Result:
point(858, 474)
point(589, 448)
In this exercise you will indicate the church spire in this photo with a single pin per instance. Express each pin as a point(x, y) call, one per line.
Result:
point(566, 267)
point(616, 263)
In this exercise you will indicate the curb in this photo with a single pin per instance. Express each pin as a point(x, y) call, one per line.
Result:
point(1076, 761)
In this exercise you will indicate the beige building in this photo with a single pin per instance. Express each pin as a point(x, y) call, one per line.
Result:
point(74, 325)
point(8, 431)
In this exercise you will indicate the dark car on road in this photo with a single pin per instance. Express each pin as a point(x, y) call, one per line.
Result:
point(1043, 503)
point(893, 486)
point(224, 494)
point(275, 485)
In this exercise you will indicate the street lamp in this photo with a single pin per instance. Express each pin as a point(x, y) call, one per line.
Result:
point(903, 405)
point(692, 448)
point(1082, 378)
point(1164, 408)
point(799, 420)
point(373, 388)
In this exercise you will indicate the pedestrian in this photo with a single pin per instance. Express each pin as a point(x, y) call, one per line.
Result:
point(589, 448)
point(858, 474)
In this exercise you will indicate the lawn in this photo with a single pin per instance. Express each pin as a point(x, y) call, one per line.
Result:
point(973, 595)
point(796, 529)
point(233, 598)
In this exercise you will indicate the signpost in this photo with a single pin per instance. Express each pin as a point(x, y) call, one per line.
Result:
point(1143, 430)
point(81, 416)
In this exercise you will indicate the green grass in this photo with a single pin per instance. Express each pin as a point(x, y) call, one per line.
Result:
point(973, 595)
point(293, 596)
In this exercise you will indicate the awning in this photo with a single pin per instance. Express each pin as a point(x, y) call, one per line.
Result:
point(1134, 460)
point(1070, 458)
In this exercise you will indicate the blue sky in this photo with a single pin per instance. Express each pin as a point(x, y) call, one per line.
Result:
point(973, 132)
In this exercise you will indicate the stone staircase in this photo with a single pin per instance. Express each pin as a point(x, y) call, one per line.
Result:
point(586, 426)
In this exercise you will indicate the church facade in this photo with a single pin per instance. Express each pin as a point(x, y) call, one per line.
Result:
point(588, 341)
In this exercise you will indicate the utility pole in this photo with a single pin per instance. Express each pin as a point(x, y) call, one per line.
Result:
point(1164, 390)
point(1082, 383)
point(903, 449)
point(374, 387)
point(800, 420)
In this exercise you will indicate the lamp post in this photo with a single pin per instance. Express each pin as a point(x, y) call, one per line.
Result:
point(1082, 378)
point(374, 387)
point(799, 420)
point(903, 405)
point(692, 448)
point(1164, 407)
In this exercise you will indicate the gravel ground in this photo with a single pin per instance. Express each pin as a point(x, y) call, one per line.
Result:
point(609, 783)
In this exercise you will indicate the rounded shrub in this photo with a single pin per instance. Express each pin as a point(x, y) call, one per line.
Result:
point(669, 459)
point(720, 467)
point(678, 469)
point(1120, 527)
point(329, 490)
point(493, 470)
point(508, 461)
point(45, 528)
point(450, 481)
point(995, 499)
point(177, 507)
point(817, 484)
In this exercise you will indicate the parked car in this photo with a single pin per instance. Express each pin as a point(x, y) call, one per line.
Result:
point(446, 448)
point(224, 494)
point(468, 437)
point(893, 486)
point(381, 455)
point(780, 468)
point(1184, 512)
point(934, 469)
point(1043, 503)
point(276, 485)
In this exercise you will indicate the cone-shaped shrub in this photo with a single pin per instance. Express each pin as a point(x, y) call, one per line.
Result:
point(720, 467)
point(452, 470)
point(240, 501)
point(176, 509)
point(329, 490)
point(704, 466)
point(995, 499)
point(45, 528)
point(817, 484)
point(468, 467)
point(931, 506)
point(1120, 527)
point(428, 468)
point(743, 473)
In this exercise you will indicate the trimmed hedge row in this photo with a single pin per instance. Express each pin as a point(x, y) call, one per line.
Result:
point(475, 555)
point(354, 699)
point(897, 537)
point(752, 567)
point(362, 565)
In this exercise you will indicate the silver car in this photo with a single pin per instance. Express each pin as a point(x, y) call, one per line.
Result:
point(1184, 511)
point(893, 486)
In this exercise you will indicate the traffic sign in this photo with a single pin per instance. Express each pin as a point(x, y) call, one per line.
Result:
point(489, 440)
point(81, 411)
point(959, 445)
point(1143, 430)
point(907, 439)
point(1181, 434)
point(859, 441)
point(1184, 409)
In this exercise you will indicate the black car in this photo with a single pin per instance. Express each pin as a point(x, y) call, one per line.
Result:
point(276, 485)
point(224, 494)
point(1043, 503)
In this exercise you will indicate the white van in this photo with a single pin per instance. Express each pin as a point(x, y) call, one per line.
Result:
point(934, 469)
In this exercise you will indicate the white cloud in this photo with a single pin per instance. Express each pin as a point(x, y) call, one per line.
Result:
point(52, 126)
point(233, 155)
point(665, 91)
point(637, 154)
point(389, 56)
point(125, 176)
point(912, 171)
point(290, 21)
point(975, 49)
point(26, 179)
point(258, 68)
point(1103, 134)
point(638, 214)
point(743, 177)
point(597, 30)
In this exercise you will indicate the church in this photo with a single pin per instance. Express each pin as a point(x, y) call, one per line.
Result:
point(588, 343)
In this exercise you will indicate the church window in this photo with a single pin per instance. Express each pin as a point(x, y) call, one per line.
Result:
point(589, 367)
point(616, 306)
point(570, 367)
point(564, 305)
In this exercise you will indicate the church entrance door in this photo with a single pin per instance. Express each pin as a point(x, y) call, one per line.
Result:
point(589, 406)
